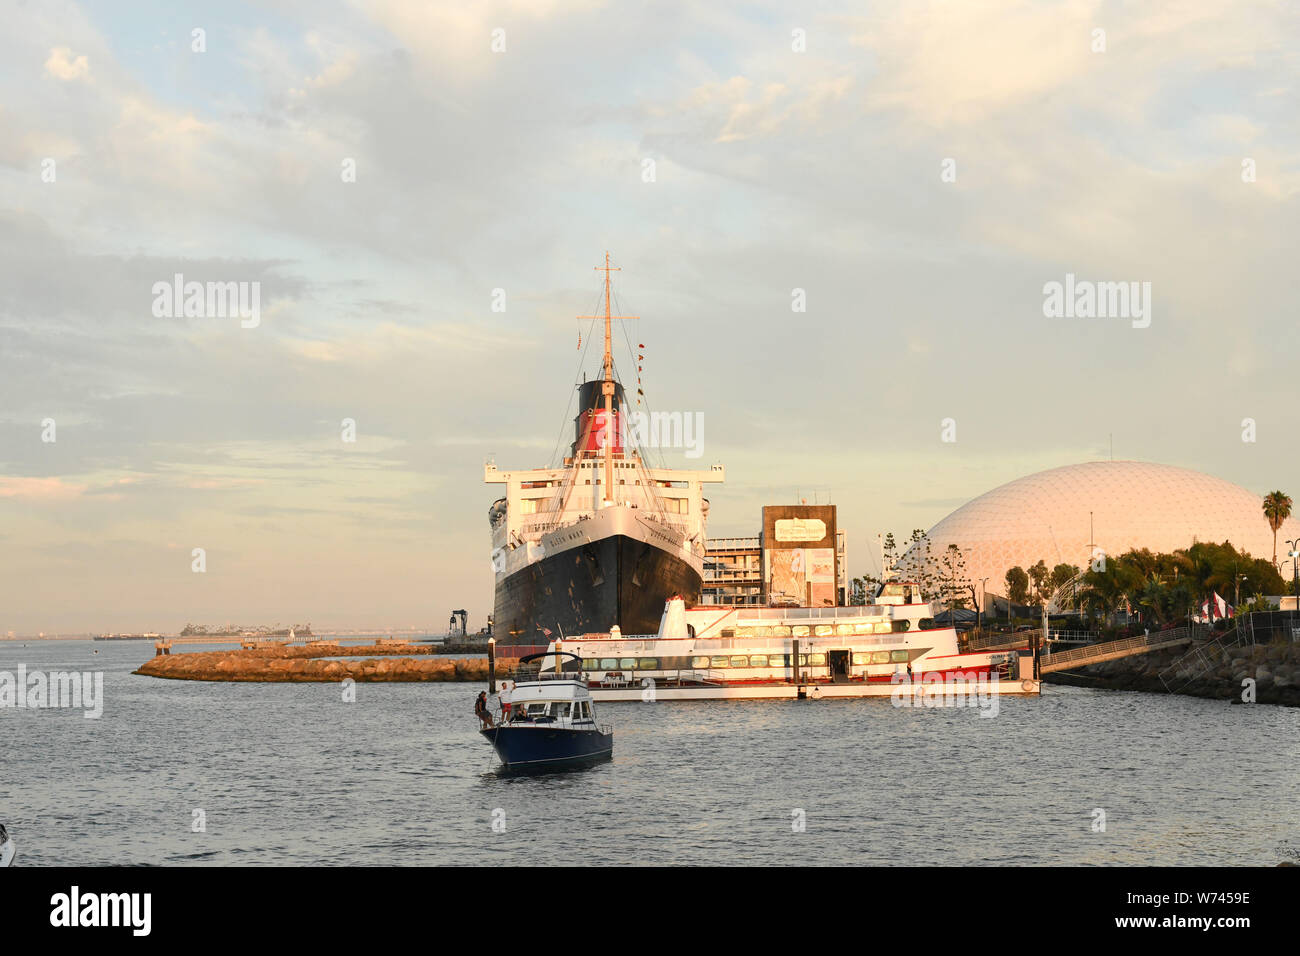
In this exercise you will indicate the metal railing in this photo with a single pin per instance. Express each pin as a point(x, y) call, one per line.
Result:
point(1013, 639)
point(1205, 657)
point(750, 615)
point(1155, 639)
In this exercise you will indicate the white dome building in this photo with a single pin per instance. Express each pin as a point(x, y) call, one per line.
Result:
point(1133, 504)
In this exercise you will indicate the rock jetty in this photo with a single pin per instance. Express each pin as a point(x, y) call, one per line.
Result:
point(301, 663)
point(1274, 667)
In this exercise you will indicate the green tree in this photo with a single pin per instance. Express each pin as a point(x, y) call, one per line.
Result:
point(1062, 575)
point(1277, 508)
point(1256, 603)
point(1017, 582)
point(1039, 576)
point(952, 577)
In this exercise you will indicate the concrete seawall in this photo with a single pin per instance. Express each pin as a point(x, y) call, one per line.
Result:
point(388, 663)
point(1275, 669)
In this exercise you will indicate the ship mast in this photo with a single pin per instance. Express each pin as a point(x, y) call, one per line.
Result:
point(607, 387)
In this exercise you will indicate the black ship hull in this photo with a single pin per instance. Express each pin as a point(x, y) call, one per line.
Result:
point(590, 588)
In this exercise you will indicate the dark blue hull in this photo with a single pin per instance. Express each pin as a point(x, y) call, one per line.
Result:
point(545, 748)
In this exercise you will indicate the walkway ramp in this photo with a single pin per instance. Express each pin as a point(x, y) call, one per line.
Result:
point(1114, 650)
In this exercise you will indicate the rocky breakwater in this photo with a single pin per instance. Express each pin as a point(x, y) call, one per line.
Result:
point(1275, 668)
point(299, 663)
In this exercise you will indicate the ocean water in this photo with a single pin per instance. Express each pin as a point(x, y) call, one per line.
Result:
point(292, 774)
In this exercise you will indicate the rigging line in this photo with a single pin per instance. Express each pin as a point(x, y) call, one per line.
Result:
point(658, 452)
point(556, 456)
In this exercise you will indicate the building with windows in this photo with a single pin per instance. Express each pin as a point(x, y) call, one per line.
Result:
point(798, 560)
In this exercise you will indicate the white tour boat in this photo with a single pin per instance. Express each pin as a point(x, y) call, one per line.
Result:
point(715, 653)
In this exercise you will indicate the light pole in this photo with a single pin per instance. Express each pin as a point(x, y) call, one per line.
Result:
point(979, 612)
point(1236, 598)
point(1294, 555)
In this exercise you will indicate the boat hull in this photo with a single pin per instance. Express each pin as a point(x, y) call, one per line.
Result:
point(617, 580)
point(539, 748)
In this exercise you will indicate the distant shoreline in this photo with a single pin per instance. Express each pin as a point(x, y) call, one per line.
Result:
point(346, 635)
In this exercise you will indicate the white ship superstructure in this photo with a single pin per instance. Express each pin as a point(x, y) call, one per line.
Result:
point(878, 650)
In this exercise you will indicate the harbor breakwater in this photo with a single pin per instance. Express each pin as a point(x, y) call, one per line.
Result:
point(399, 663)
point(1274, 667)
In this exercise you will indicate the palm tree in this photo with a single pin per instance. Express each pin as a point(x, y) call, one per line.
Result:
point(1277, 508)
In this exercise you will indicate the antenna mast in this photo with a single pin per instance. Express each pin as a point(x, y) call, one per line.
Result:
point(607, 387)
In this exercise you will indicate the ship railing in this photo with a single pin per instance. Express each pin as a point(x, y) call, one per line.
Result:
point(527, 674)
point(696, 676)
point(748, 615)
point(621, 679)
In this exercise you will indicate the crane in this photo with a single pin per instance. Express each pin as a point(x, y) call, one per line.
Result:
point(464, 623)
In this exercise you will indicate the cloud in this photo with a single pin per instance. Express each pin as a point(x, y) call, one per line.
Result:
point(63, 65)
point(40, 489)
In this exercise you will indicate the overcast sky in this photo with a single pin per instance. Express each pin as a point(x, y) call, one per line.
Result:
point(774, 169)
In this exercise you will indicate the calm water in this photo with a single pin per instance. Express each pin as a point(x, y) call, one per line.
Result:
point(289, 773)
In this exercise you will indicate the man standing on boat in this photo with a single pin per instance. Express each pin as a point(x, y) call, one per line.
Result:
point(505, 701)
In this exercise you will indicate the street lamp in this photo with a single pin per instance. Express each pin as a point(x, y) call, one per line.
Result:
point(1294, 555)
point(979, 611)
point(1236, 598)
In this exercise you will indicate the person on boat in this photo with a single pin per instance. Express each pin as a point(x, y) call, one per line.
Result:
point(505, 701)
point(481, 710)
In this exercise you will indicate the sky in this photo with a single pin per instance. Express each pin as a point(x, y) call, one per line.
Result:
point(919, 170)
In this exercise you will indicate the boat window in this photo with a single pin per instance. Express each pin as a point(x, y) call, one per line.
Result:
point(860, 658)
point(699, 662)
point(781, 630)
point(844, 629)
point(898, 657)
point(816, 660)
point(762, 632)
point(608, 663)
point(720, 662)
point(880, 657)
point(536, 710)
point(744, 632)
point(823, 630)
point(591, 663)
point(627, 663)
point(728, 632)
point(801, 630)
point(740, 661)
point(882, 627)
point(559, 709)
point(758, 660)
point(648, 664)
point(803, 660)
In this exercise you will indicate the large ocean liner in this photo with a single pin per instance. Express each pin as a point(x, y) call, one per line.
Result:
point(601, 542)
